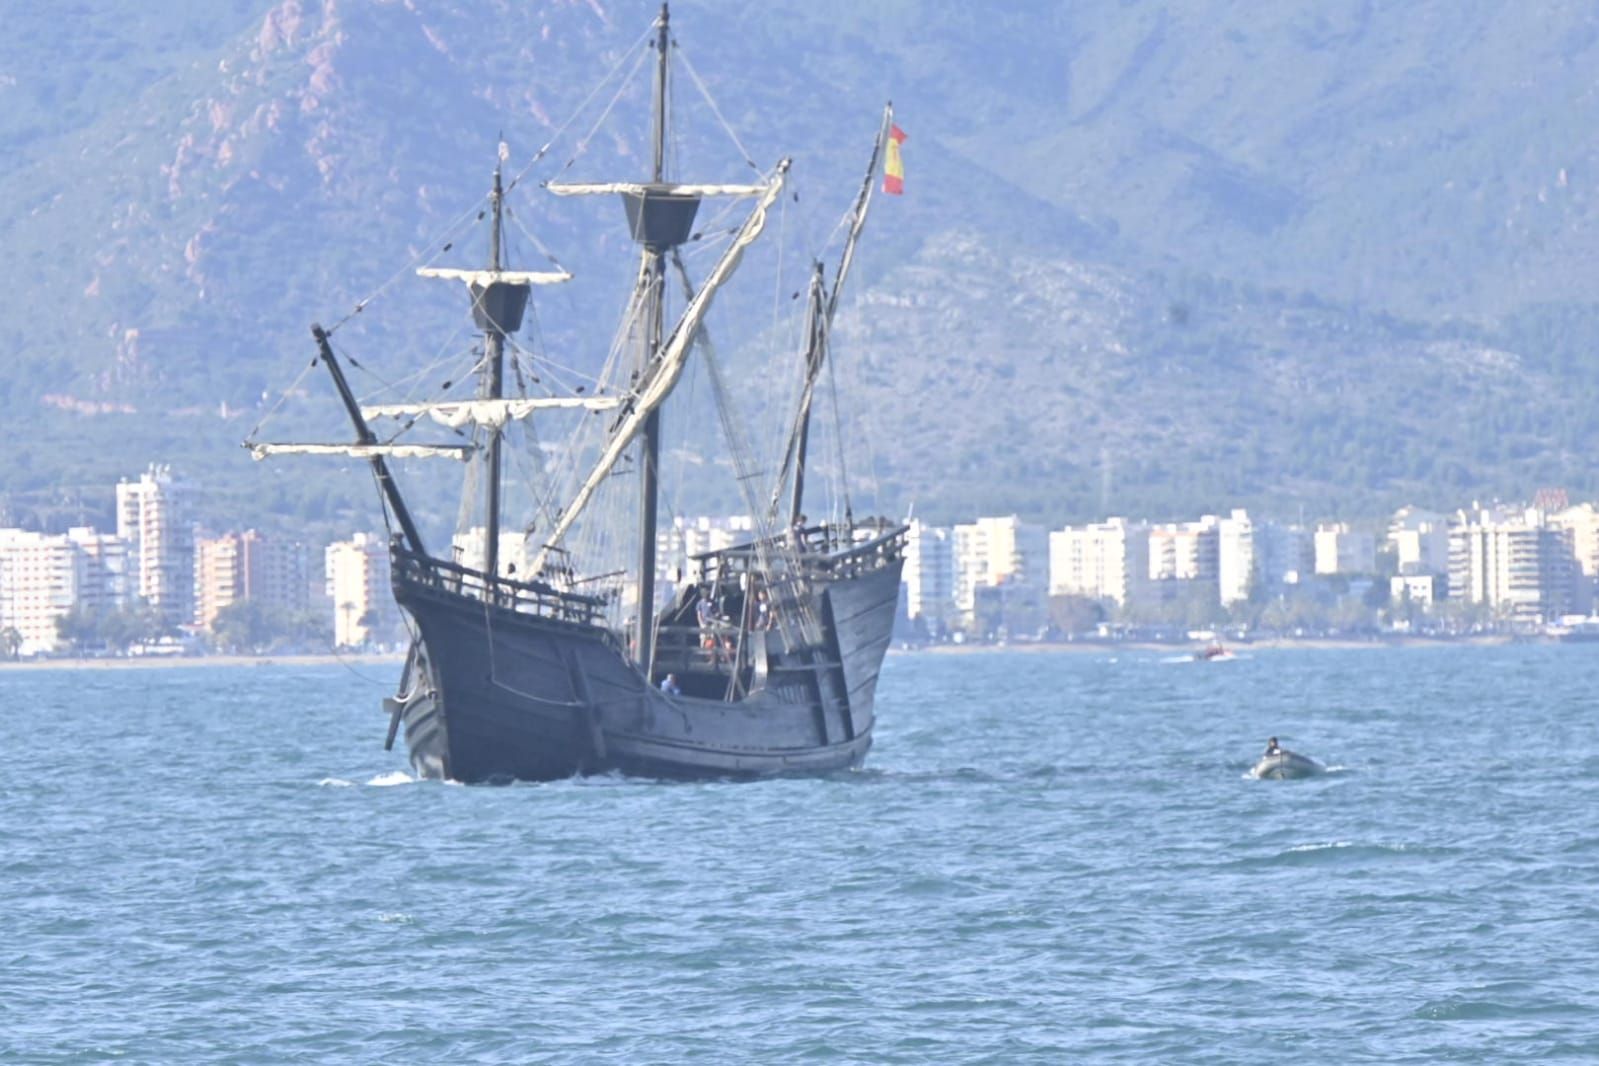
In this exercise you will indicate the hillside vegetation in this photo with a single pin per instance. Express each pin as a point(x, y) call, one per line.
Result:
point(1153, 258)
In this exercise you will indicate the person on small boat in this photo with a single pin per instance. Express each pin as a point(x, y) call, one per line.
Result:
point(1272, 747)
point(670, 686)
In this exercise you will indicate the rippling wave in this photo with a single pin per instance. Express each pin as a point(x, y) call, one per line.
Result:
point(1048, 858)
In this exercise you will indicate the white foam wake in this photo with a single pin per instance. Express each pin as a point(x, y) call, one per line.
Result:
point(393, 777)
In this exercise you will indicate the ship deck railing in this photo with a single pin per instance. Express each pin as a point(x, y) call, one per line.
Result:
point(825, 552)
point(527, 597)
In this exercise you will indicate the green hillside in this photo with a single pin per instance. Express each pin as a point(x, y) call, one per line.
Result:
point(1154, 258)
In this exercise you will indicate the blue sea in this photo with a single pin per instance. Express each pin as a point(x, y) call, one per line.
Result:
point(1049, 857)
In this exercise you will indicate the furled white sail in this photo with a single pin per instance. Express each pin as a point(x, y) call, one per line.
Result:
point(656, 188)
point(493, 414)
point(485, 278)
point(367, 451)
point(660, 377)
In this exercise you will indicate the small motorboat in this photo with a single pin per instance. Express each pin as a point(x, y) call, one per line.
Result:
point(1282, 764)
point(1211, 654)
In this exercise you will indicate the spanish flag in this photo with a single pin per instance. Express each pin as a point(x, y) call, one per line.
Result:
point(893, 166)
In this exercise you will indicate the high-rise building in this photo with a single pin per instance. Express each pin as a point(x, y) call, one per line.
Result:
point(1256, 554)
point(1103, 561)
point(1420, 541)
point(929, 574)
point(1582, 522)
point(1184, 551)
point(43, 577)
point(1341, 550)
point(248, 566)
point(358, 584)
point(998, 551)
point(153, 518)
point(1517, 564)
point(1238, 568)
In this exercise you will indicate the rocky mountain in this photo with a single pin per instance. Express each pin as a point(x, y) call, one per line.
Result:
point(1153, 258)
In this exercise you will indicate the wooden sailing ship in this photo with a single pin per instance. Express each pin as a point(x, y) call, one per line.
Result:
point(764, 659)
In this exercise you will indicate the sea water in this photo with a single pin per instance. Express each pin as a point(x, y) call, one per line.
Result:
point(1049, 857)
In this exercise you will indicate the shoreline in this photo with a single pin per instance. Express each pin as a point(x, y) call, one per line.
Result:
point(1078, 647)
point(153, 662)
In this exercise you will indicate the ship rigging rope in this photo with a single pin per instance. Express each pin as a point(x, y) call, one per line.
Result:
point(442, 241)
point(437, 246)
point(583, 144)
point(407, 386)
point(710, 101)
point(838, 422)
point(747, 474)
point(636, 46)
point(534, 240)
point(775, 390)
point(249, 438)
point(468, 507)
point(550, 368)
point(589, 433)
point(672, 489)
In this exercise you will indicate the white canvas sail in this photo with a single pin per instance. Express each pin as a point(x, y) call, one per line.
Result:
point(485, 278)
point(493, 414)
point(657, 188)
point(367, 451)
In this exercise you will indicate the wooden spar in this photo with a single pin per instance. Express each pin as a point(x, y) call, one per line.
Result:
point(815, 351)
point(819, 324)
point(493, 386)
point(391, 491)
point(650, 443)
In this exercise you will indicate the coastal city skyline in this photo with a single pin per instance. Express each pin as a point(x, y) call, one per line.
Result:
point(1520, 565)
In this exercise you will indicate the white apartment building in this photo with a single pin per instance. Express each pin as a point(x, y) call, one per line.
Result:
point(42, 577)
point(998, 551)
point(1238, 565)
point(248, 566)
point(358, 584)
point(1103, 561)
point(1420, 541)
point(1522, 567)
point(677, 545)
point(468, 550)
point(1582, 522)
point(1184, 551)
point(1341, 550)
point(153, 519)
point(929, 574)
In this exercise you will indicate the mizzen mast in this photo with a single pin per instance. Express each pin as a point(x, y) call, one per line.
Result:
point(823, 304)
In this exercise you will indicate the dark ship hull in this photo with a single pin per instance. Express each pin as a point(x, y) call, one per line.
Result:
point(500, 688)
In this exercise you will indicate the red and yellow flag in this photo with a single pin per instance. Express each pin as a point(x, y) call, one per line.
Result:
point(893, 166)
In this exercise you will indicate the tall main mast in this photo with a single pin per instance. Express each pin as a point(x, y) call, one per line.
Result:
point(650, 441)
point(493, 389)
